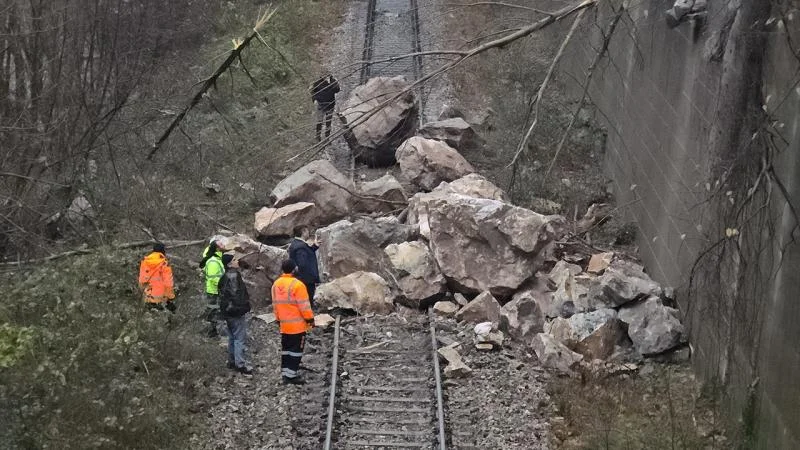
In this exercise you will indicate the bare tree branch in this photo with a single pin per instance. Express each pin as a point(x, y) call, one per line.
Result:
point(87, 251)
point(538, 100)
point(212, 81)
point(611, 27)
point(504, 4)
point(36, 180)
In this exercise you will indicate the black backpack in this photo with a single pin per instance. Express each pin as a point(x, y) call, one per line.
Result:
point(234, 292)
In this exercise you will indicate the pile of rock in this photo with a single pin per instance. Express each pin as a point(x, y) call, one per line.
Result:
point(458, 238)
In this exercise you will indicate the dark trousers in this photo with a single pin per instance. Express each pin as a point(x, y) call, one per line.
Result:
point(324, 116)
point(291, 353)
point(311, 288)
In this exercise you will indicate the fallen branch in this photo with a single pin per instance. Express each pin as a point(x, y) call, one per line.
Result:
point(88, 251)
point(606, 41)
point(36, 180)
point(211, 81)
point(538, 100)
point(504, 4)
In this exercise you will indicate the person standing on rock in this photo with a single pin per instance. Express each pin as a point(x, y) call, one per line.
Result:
point(304, 254)
point(155, 279)
point(213, 269)
point(293, 312)
point(323, 92)
point(234, 304)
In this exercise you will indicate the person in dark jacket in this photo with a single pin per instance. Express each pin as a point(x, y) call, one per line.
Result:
point(234, 303)
point(323, 92)
point(304, 254)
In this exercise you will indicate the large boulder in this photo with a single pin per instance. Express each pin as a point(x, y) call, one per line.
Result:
point(418, 276)
point(483, 308)
point(320, 183)
point(593, 334)
point(620, 283)
point(382, 195)
point(553, 354)
point(375, 139)
point(653, 327)
point(456, 132)
point(281, 222)
point(483, 244)
point(347, 247)
point(521, 318)
point(260, 264)
point(426, 163)
point(363, 292)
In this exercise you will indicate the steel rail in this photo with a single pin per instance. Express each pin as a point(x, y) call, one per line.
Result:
point(334, 376)
point(417, 46)
point(369, 34)
point(437, 375)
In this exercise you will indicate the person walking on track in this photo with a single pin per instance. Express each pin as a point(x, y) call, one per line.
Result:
point(155, 279)
point(293, 311)
point(323, 92)
point(213, 269)
point(304, 254)
point(234, 304)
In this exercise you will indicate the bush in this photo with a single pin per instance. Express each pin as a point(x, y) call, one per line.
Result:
point(84, 365)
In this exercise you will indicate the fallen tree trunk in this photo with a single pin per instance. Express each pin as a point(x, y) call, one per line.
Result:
point(88, 251)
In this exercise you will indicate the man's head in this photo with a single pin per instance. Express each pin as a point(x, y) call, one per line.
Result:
point(158, 247)
point(288, 266)
point(227, 258)
point(303, 232)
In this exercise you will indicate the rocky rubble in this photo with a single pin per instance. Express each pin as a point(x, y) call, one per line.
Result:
point(460, 246)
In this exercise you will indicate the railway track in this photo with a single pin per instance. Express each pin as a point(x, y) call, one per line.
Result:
point(392, 29)
point(385, 386)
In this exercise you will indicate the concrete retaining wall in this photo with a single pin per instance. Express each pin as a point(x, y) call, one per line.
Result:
point(668, 99)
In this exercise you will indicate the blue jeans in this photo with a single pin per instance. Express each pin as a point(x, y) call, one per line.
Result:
point(237, 335)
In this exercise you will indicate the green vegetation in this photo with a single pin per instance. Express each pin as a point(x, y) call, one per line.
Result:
point(84, 365)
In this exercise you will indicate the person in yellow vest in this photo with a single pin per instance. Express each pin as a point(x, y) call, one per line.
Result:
point(155, 279)
point(213, 270)
point(292, 309)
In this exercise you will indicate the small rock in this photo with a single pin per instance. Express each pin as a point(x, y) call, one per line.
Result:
point(482, 308)
point(80, 209)
point(323, 320)
point(268, 318)
point(553, 354)
point(455, 365)
point(445, 309)
point(599, 262)
point(211, 188)
point(460, 299)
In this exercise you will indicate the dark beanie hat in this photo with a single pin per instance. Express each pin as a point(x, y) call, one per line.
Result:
point(159, 247)
point(288, 266)
point(227, 258)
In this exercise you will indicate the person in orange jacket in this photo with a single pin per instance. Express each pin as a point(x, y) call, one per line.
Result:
point(155, 279)
point(293, 311)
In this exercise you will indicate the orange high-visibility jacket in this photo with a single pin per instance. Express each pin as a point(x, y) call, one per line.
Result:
point(155, 278)
point(290, 304)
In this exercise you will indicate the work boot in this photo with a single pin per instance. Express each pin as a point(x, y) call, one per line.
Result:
point(232, 366)
point(294, 380)
point(244, 370)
